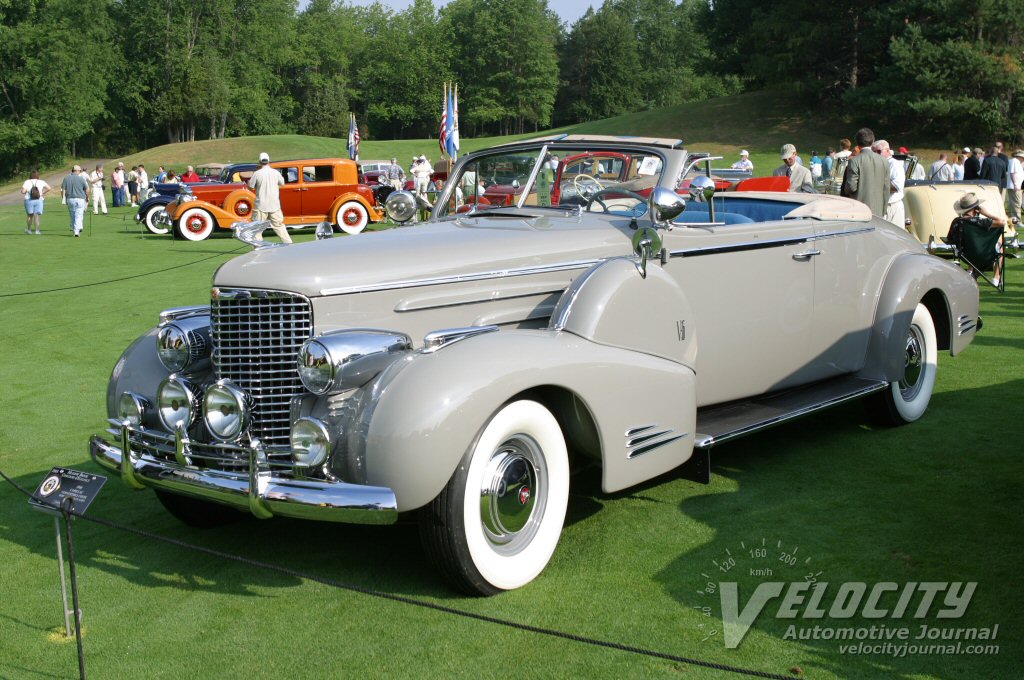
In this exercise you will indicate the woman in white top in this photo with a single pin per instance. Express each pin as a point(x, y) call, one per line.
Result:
point(36, 187)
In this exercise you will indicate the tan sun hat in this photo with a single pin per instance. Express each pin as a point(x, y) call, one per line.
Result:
point(966, 203)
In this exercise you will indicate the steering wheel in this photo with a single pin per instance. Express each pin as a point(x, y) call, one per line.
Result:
point(598, 195)
point(591, 181)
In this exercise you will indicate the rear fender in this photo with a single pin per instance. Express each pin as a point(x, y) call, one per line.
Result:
point(947, 291)
point(425, 412)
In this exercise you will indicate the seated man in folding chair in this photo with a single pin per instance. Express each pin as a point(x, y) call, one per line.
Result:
point(977, 236)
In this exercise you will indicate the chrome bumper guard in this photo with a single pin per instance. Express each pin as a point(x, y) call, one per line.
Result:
point(262, 492)
point(164, 219)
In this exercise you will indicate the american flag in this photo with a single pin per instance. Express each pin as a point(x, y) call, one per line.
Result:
point(353, 137)
point(442, 133)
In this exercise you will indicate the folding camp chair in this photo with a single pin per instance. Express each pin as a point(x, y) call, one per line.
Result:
point(979, 250)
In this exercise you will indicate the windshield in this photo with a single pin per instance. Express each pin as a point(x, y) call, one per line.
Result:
point(555, 177)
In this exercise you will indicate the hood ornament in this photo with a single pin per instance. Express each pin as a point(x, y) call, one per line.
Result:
point(252, 233)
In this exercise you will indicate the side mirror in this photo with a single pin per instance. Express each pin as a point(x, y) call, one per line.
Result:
point(702, 189)
point(665, 205)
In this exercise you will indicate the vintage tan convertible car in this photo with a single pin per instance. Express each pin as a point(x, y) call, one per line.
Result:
point(451, 369)
point(929, 207)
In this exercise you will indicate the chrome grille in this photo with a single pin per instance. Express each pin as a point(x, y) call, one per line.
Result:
point(227, 457)
point(256, 338)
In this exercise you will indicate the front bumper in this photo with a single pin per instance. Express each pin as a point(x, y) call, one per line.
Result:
point(261, 491)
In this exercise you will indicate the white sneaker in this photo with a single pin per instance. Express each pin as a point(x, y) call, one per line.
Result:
point(28, 231)
point(995, 281)
point(38, 232)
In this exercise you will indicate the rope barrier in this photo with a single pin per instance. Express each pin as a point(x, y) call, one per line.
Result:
point(415, 602)
point(123, 278)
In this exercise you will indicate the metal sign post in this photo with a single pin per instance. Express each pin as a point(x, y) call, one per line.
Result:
point(68, 492)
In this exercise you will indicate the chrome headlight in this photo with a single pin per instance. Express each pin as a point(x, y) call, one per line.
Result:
point(177, 401)
point(310, 442)
point(184, 343)
point(226, 410)
point(185, 198)
point(400, 206)
point(347, 359)
point(131, 407)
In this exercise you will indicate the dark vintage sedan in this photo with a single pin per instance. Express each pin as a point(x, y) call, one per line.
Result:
point(163, 193)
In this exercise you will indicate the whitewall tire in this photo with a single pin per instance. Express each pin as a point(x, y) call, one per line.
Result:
point(497, 522)
point(352, 217)
point(196, 224)
point(149, 219)
point(905, 400)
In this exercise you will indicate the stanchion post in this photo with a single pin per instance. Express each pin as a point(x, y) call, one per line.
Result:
point(66, 506)
point(63, 581)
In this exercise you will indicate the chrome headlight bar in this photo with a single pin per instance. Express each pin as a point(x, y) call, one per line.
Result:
point(347, 359)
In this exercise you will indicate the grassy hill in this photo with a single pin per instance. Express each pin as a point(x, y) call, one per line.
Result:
point(758, 121)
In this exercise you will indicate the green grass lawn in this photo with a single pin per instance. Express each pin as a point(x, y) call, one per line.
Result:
point(938, 500)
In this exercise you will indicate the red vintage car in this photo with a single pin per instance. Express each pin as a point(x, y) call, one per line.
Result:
point(315, 190)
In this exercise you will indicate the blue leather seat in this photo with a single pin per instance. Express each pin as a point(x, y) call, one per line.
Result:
point(757, 209)
point(698, 217)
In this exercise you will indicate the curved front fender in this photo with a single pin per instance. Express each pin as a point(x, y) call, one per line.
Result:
point(428, 409)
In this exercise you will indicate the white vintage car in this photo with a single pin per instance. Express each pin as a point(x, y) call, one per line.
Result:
point(451, 369)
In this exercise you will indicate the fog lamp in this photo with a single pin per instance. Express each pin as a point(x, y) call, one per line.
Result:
point(177, 401)
point(310, 442)
point(131, 407)
point(226, 410)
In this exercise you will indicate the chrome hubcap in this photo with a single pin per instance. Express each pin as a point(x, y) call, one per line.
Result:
point(910, 383)
point(512, 495)
point(351, 217)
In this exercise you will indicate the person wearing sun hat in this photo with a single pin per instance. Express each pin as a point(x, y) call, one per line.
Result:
point(973, 214)
point(799, 177)
point(744, 162)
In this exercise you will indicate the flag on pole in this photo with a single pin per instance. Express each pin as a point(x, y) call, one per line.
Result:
point(449, 144)
point(442, 133)
point(353, 137)
point(455, 123)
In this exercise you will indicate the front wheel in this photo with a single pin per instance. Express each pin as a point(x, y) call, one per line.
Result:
point(352, 217)
point(149, 219)
point(196, 224)
point(495, 525)
point(905, 400)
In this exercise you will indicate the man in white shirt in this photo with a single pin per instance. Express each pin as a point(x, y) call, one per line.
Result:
point(421, 172)
point(266, 183)
point(99, 200)
point(1014, 180)
point(744, 162)
point(143, 183)
point(894, 210)
point(941, 170)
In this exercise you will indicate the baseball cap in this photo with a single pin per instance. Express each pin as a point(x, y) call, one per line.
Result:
point(744, 153)
point(788, 151)
point(903, 149)
point(967, 149)
point(264, 157)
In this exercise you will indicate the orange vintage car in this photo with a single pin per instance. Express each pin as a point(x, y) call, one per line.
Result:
point(315, 190)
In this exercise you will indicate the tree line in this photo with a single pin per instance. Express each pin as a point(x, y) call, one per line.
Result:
point(93, 77)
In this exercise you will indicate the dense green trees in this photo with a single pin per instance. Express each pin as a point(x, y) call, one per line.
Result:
point(108, 76)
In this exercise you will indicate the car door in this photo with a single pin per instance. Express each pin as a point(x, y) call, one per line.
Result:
point(318, 191)
point(291, 194)
point(750, 286)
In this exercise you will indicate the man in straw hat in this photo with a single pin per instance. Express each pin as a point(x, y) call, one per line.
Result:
point(974, 215)
point(1014, 180)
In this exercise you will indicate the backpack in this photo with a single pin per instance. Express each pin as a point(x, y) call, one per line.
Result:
point(33, 193)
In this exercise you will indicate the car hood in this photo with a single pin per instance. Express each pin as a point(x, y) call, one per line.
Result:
point(430, 254)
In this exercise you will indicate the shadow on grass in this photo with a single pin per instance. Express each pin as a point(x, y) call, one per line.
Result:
point(856, 503)
point(385, 558)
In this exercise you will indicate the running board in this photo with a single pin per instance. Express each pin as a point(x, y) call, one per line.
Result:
point(721, 423)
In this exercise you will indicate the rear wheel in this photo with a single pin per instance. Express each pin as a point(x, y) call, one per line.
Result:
point(495, 525)
point(352, 217)
point(198, 513)
point(196, 224)
point(906, 399)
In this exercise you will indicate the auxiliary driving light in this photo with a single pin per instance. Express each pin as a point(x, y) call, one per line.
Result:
point(131, 407)
point(226, 410)
point(177, 401)
point(310, 442)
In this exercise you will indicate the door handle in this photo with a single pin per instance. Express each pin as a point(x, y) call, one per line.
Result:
point(806, 255)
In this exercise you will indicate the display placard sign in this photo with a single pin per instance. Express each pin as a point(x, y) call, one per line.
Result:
point(60, 483)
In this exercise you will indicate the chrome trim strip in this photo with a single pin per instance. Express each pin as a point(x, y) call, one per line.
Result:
point(633, 431)
point(175, 313)
point(641, 445)
point(278, 495)
point(703, 441)
point(459, 278)
point(771, 243)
